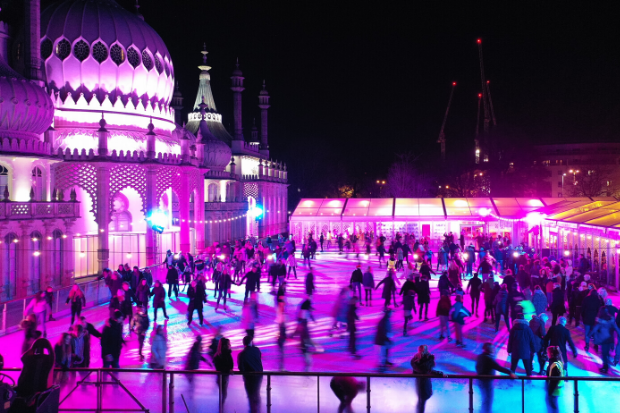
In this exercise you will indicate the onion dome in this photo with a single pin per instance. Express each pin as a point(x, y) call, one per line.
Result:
point(216, 153)
point(26, 111)
point(97, 48)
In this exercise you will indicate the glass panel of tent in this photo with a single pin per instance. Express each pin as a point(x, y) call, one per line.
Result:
point(606, 221)
point(407, 207)
point(381, 207)
point(577, 209)
point(431, 207)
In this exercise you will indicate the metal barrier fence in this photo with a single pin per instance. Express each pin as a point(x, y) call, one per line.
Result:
point(96, 292)
point(160, 391)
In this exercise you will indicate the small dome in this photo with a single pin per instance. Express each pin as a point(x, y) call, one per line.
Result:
point(216, 153)
point(26, 111)
point(96, 47)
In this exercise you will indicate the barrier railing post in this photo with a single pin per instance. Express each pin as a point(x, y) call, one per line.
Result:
point(171, 394)
point(523, 395)
point(471, 395)
point(318, 395)
point(368, 394)
point(576, 397)
point(269, 393)
point(164, 401)
point(221, 399)
point(99, 390)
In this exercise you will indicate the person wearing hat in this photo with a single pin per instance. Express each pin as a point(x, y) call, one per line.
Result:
point(357, 277)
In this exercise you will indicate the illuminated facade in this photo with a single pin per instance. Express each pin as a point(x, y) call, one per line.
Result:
point(94, 153)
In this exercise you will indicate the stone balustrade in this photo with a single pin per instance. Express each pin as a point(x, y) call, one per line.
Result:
point(122, 156)
point(10, 210)
point(226, 206)
point(25, 146)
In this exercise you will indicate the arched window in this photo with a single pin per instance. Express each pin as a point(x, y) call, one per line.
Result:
point(230, 191)
point(120, 221)
point(37, 183)
point(10, 264)
point(4, 180)
point(35, 260)
point(213, 193)
point(58, 255)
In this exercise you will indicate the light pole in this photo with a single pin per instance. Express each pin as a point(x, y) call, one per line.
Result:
point(380, 183)
point(563, 175)
point(574, 172)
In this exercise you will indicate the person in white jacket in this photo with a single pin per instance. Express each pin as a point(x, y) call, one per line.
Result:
point(291, 263)
point(38, 305)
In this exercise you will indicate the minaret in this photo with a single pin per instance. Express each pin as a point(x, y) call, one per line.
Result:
point(237, 88)
point(32, 43)
point(254, 131)
point(263, 104)
point(177, 104)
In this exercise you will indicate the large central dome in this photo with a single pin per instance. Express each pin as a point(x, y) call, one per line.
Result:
point(97, 48)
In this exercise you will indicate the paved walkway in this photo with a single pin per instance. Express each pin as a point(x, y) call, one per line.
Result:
point(332, 272)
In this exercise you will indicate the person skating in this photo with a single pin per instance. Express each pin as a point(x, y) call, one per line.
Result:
point(159, 300)
point(224, 285)
point(355, 283)
point(49, 298)
point(444, 305)
point(38, 305)
point(556, 369)
point(351, 326)
point(501, 307)
point(281, 322)
point(521, 345)
point(159, 347)
point(126, 304)
point(603, 334)
point(408, 306)
point(423, 290)
point(558, 335)
point(143, 294)
point(423, 363)
point(383, 340)
point(537, 324)
point(291, 263)
point(369, 284)
point(444, 285)
point(458, 312)
point(194, 357)
point(112, 340)
point(140, 326)
point(172, 278)
point(487, 366)
point(589, 310)
point(557, 306)
point(197, 297)
point(253, 281)
point(539, 299)
point(389, 287)
point(249, 360)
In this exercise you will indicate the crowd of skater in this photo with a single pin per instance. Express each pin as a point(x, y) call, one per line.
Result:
point(536, 299)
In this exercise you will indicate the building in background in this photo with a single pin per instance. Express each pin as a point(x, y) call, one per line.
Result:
point(96, 167)
point(582, 169)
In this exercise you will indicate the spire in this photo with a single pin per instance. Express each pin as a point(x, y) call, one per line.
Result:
point(203, 128)
point(177, 104)
point(204, 86)
point(263, 104)
point(237, 88)
point(138, 11)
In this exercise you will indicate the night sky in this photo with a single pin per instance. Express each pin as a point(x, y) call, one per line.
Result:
point(354, 83)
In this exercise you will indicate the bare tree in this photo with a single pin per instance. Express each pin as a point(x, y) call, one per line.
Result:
point(594, 183)
point(402, 178)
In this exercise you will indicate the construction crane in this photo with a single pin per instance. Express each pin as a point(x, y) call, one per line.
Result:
point(491, 103)
point(485, 97)
point(477, 136)
point(442, 136)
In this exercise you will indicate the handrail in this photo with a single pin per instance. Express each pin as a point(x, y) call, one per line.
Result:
point(327, 374)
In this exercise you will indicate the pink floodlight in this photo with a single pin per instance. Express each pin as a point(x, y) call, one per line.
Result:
point(534, 218)
point(484, 212)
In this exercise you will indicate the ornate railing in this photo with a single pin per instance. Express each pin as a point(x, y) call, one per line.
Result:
point(225, 206)
point(11, 210)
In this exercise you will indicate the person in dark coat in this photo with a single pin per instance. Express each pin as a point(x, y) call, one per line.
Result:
point(603, 334)
point(194, 357)
point(487, 366)
point(140, 326)
point(501, 307)
point(127, 303)
point(345, 389)
point(537, 324)
point(143, 294)
point(424, 295)
point(224, 284)
point(389, 287)
point(197, 297)
point(382, 338)
point(369, 283)
point(351, 326)
point(112, 340)
point(172, 278)
point(309, 282)
point(78, 301)
point(474, 287)
point(357, 277)
point(114, 282)
point(558, 335)
point(159, 300)
point(509, 279)
point(557, 304)
point(253, 281)
point(250, 360)
point(589, 310)
point(423, 363)
point(223, 363)
point(521, 345)
point(514, 298)
point(444, 285)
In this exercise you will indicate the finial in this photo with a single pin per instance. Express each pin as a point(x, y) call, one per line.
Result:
point(232, 160)
point(204, 53)
point(203, 107)
point(237, 63)
point(102, 122)
point(138, 10)
point(263, 84)
point(151, 127)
